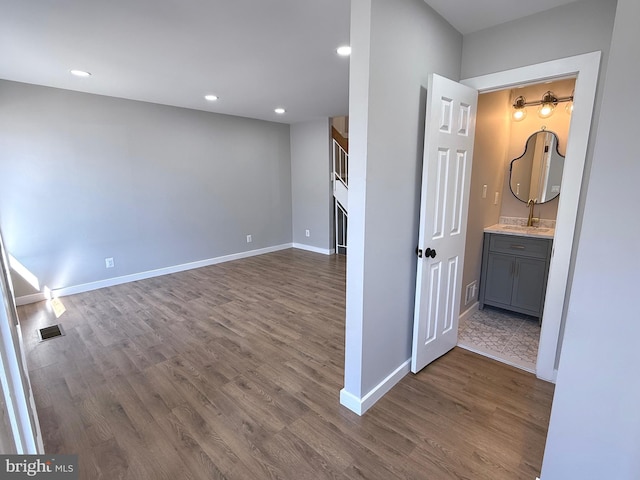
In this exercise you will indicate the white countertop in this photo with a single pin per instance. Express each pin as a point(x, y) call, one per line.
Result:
point(521, 231)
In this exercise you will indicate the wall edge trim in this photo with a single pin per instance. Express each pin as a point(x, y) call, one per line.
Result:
point(311, 248)
point(361, 405)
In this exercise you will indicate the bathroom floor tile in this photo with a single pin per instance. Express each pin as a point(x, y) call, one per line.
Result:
point(507, 336)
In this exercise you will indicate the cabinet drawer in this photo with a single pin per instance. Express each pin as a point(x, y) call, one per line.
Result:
point(521, 246)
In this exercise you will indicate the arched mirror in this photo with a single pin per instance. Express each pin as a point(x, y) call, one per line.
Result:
point(536, 175)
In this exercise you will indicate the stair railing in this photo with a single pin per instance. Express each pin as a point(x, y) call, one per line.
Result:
point(341, 229)
point(340, 163)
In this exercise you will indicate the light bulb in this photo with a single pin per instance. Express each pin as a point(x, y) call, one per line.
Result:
point(569, 108)
point(519, 114)
point(545, 110)
point(549, 102)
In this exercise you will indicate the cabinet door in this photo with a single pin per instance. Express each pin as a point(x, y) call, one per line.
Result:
point(528, 284)
point(499, 278)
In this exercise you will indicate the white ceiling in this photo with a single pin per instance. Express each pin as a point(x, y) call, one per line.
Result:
point(254, 54)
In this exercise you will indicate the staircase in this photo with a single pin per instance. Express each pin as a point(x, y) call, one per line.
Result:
point(340, 180)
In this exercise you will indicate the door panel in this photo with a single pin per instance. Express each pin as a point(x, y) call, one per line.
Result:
point(452, 288)
point(457, 208)
point(444, 204)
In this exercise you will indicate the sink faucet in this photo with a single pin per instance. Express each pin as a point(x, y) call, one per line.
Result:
point(530, 204)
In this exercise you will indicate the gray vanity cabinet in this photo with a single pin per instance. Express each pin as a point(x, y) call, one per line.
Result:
point(514, 272)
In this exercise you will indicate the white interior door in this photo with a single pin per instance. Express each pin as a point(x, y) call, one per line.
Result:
point(444, 205)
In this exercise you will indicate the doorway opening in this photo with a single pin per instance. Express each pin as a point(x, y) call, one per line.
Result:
point(508, 329)
point(585, 69)
point(340, 181)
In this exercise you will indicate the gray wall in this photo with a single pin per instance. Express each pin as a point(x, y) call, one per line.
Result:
point(87, 177)
point(578, 27)
point(310, 183)
point(595, 421)
point(395, 46)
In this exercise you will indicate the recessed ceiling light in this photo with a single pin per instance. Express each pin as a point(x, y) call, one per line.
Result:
point(344, 50)
point(280, 110)
point(80, 73)
point(211, 98)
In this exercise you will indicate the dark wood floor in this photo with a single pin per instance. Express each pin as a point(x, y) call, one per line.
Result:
point(234, 371)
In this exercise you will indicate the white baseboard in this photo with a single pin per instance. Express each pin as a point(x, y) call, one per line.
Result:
point(350, 401)
point(464, 316)
point(31, 298)
point(311, 248)
point(110, 282)
point(551, 379)
point(361, 405)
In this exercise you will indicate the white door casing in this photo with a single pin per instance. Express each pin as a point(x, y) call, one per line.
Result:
point(18, 401)
point(444, 205)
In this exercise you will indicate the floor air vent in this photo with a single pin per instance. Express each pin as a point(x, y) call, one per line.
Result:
point(51, 332)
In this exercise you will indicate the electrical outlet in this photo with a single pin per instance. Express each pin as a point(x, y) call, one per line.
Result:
point(495, 198)
point(484, 191)
point(307, 233)
point(249, 239)
point(108, 262)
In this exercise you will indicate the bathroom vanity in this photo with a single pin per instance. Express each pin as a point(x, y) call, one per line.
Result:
point(515, 267)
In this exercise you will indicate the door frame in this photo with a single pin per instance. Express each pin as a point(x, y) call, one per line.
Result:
point(19, 404)
point(585, 68)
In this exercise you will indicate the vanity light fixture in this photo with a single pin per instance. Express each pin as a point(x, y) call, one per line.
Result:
point(547, 105)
